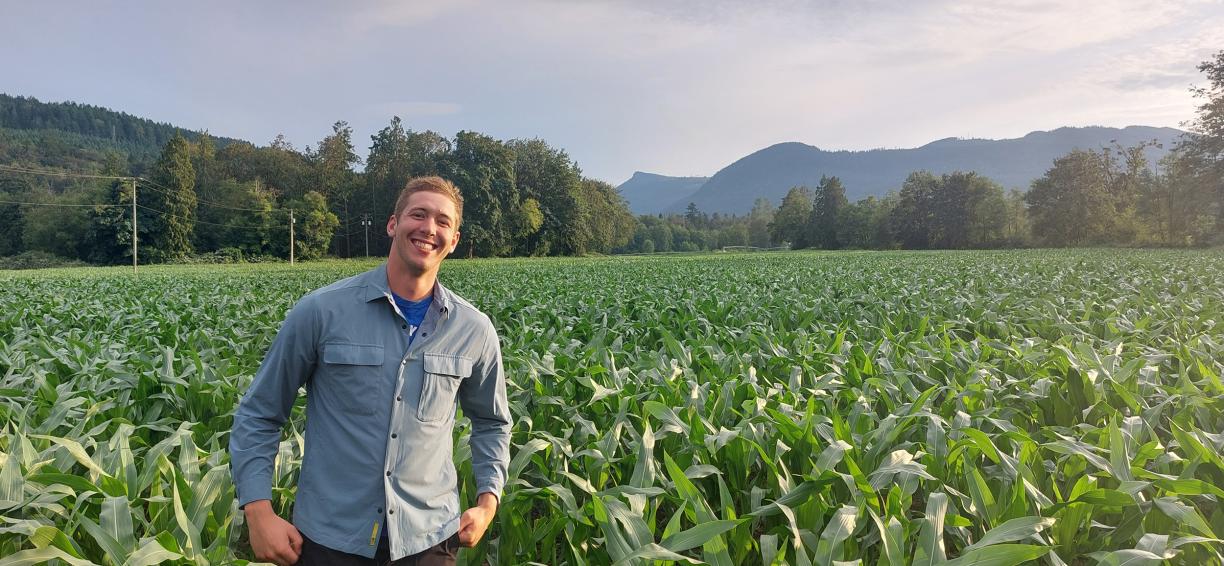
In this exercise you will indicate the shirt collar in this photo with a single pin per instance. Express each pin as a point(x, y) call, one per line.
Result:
point(376, 287)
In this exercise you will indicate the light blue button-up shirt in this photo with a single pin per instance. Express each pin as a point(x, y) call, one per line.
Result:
point(380, 415)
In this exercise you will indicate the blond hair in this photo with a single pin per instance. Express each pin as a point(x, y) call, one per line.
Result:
point(433, 184)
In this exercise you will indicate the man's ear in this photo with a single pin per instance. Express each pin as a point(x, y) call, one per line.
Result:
point(391, 226)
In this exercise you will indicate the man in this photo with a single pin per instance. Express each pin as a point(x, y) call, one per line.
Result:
point(384, 357)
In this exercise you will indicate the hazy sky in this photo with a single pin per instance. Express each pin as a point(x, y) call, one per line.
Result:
point(678, 88)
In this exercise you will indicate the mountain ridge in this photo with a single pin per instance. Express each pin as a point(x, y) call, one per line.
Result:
point(1013, 162)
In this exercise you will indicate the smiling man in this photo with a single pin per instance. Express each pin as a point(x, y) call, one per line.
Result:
point(385, 356)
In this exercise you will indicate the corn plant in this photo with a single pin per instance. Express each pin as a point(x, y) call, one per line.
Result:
point(1045, 407)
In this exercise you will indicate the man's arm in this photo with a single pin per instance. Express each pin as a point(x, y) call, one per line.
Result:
point(256, 433)
point(483, 398)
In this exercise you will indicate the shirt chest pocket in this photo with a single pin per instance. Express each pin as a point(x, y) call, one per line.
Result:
point(443, 375)
point(353, 381)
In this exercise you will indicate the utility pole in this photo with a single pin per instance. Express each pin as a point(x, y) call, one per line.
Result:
point(291, 244)
point(365, 221)
point(133, 181)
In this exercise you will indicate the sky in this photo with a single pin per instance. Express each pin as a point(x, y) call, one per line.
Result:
point(679, 88)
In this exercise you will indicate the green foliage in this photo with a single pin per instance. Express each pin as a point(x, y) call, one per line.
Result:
point(893, 408)
point(1190, 197)
point(483, 169)
point(549, 176)
point(828, 205)
point(315, 225)
point(171, 200)
point(791, 220)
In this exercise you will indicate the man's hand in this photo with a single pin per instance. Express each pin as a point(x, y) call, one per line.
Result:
point(474, 521)
point(273, 539)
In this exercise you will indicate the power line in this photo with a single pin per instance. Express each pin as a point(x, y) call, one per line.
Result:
point(146, 182)
point(198, 221)
point(64, 204)
point(17, 169)
point(165, 191)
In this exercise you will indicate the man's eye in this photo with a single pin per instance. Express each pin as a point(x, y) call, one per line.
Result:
point(418, 215)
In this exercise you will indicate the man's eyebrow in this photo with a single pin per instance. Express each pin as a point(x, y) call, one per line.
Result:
point(428, 211)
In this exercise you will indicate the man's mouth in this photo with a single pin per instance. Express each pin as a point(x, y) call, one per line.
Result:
point(424, 245)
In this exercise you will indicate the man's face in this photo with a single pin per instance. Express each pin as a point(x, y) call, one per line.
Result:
point(424, 233)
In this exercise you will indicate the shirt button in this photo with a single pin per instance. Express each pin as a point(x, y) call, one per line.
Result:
point(390, 511)
point(380, 510)
point(393, 435)
point(424, 334)
point(403, 326)
point(388, 473)
point(399, 398)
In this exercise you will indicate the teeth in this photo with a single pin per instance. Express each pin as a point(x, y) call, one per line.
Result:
point(423, 245)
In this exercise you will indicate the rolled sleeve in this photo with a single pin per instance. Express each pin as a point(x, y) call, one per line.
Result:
point(483, 398)
point(263, 410)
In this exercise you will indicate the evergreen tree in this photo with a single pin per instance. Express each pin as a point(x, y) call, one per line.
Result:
point(173, 200)
point(828, 202)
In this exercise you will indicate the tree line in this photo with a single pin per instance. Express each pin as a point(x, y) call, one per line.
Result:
point(205, 200)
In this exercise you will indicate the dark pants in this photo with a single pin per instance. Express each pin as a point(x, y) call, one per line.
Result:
point(315, 554)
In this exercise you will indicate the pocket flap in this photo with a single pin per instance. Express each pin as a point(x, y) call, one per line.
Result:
point(353, 354)
point(447, 364)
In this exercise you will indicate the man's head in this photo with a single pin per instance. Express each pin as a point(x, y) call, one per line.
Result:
point(425, 226)
point(435, 185)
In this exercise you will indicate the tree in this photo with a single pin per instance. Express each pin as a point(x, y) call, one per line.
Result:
point(483, 169)
point(12, 221)
point(548, 175)
point(912, 217)
point(854, 225)
point(694, 217)
point(173, 200)
point(790, 222)
point(1195, 190)
point(316, 224)
point(610, 224)
point(1088, 198)
point(828, 202)
point(333, 171)
point(758, 223)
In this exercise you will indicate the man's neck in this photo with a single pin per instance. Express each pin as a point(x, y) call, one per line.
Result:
point(408, 285)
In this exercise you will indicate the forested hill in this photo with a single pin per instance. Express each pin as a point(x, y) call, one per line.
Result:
point(648, 193)
point(1013, 163)
point(76, 136)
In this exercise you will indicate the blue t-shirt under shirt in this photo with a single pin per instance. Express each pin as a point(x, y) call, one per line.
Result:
point(413, 311)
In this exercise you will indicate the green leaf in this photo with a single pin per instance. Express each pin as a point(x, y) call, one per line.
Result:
point(151, 552)
point(1013, 530)
point(699, 534)
point(930, 549)
point(42, 555)
point(1184, 515)
point(838, 529)
point(653, 551)
point(999, 555)
point(1128, 557)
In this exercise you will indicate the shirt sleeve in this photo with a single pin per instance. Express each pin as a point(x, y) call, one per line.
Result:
point(483, 398)
point(263, 410)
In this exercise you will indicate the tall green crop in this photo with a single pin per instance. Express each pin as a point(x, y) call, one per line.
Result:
point(797, 408)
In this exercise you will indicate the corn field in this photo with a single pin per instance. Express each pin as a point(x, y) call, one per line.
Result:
point(1043, 407)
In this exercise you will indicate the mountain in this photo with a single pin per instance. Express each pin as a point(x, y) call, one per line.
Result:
point(80, 136)
point(648, 193)
point(1013, 163)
